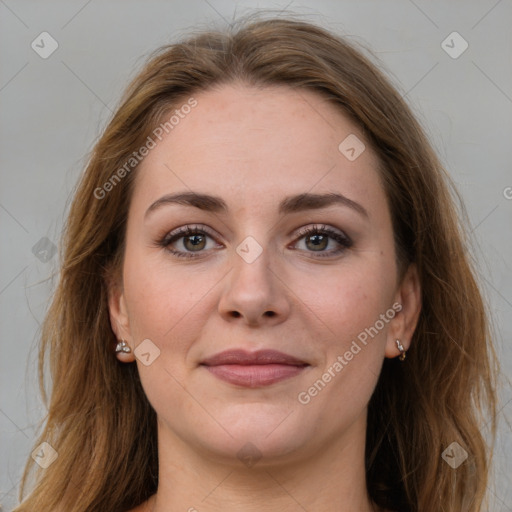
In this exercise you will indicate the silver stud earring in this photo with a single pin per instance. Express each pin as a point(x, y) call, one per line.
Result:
point(402, 350)
point(122, 346)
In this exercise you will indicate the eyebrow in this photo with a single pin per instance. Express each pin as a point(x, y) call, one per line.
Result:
point(291, 204)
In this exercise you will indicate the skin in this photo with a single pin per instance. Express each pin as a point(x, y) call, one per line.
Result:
point(253, 147)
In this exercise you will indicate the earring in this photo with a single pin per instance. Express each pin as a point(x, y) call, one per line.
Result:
point(122, 346)
point(402, 350)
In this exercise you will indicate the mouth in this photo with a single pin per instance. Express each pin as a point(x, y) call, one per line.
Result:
point(254, 369)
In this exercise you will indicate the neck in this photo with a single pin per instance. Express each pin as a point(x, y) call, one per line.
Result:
point(331, 478)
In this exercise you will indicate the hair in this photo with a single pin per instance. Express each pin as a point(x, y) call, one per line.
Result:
point(99, 419)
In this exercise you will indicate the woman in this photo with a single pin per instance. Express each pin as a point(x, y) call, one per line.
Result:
point(265, 301)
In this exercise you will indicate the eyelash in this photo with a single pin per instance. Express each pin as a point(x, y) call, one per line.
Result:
point(185, 231)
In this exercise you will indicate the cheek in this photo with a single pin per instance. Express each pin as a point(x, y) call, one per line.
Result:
point(353, 348)
point(349, 305)
point(166, 302)
point(156, 296)
point(350, 298)
point(162, 303)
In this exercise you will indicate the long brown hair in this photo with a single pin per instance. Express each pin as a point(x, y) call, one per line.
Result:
point(99, 420)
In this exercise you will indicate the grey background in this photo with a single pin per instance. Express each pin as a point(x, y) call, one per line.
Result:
point(54, 109)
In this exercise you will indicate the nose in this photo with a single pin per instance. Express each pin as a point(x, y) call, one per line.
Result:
point(255, 293)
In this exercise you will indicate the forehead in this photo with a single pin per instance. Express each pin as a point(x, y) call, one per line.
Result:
point(258, 144)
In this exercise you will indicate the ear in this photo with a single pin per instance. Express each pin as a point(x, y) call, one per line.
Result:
point(119, 319)
point(403, 324)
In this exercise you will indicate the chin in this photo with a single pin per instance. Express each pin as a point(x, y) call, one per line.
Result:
point(256, 437)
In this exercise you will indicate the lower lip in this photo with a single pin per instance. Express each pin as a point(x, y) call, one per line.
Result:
point(255, 375)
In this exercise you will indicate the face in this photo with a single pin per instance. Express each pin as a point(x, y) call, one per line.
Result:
point(261, 268)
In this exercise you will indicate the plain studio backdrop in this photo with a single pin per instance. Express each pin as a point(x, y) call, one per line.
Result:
point(65, 64)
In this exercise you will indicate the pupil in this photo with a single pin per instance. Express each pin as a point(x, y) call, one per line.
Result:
point(196, 240)
point(318, 240)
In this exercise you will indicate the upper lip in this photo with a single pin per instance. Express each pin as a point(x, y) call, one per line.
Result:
point(243, 357)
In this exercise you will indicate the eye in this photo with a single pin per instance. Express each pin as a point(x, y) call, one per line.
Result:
point(317, 239)
point(185, 241)
point(191, 241)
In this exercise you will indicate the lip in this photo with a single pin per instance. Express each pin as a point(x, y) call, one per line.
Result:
point(254, 369)
point(260, 357)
